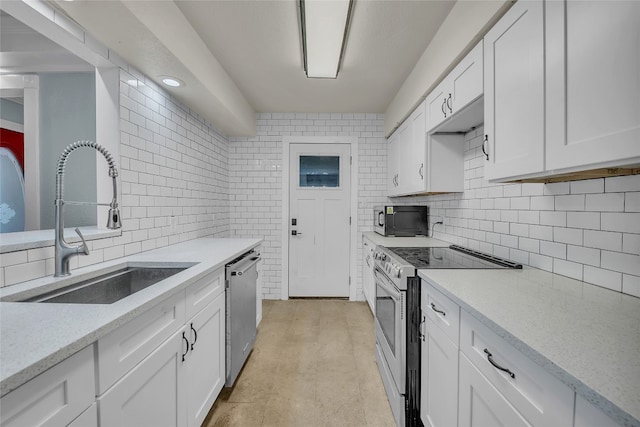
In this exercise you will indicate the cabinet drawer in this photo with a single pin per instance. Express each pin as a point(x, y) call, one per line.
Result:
point(443, 312)
point(204, 291)
point(125, 347)
point(55, 397)
point(537, 395)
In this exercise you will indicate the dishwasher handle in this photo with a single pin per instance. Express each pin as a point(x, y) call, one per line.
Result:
point(244, 266)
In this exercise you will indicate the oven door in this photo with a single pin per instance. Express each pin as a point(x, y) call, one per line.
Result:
point(390, 326)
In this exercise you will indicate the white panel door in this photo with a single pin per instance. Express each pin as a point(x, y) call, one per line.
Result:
point(152, 393)
point(481, 404)
point(205, 363)
point(439, 404)
point(514, 92)
point(319, 242)
point(593, 82)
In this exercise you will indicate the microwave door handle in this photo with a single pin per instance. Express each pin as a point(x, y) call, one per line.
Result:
point(394, 219)
point(380, 217)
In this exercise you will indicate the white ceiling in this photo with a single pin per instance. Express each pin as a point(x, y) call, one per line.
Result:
point(240, 57)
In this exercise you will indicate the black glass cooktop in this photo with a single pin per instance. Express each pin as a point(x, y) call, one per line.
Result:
point(452, 257)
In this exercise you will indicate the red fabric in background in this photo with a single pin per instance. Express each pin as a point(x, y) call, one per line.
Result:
point(14, 141)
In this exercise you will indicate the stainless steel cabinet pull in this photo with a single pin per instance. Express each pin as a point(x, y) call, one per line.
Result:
point(495, 365)
point(449, 104)
point(444, 103)
point(420, 171)
point(433, 307)
point(486, 140)
point(184, 338)
point(195, 334)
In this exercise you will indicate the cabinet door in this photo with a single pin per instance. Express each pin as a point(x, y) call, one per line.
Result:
point(436, 105)
point(439, 394)
point(417, 163)
point(205, 364)
point(392, 162)
point(593, 82)
point(152, 393)
point(55, 397)
point(514, 93)
point(466, 80)
point(402, 157)
point(481, 404)
point(369, 287)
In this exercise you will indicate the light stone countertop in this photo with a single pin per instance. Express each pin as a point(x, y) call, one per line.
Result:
point(404, 242)
point(35, 337)
point(586, 336)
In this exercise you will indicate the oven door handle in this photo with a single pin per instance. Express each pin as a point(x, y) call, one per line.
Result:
point(385, 284)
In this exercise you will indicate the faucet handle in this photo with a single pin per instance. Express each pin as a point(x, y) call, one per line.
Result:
point(84, 248)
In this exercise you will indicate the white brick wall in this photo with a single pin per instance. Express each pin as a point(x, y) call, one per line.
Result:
point(173, 163)
point(255, 179)
point(588, 230)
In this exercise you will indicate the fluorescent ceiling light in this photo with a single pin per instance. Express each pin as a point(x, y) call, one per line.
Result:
point(325, 24)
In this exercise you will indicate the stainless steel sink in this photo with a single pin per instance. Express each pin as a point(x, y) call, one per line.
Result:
point(108, 288)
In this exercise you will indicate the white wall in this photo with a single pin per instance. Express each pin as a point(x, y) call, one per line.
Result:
point(255, 179)
point(588, 230)
point(172, 163)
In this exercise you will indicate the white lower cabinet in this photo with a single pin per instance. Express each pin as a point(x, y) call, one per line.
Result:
point(439, 363)
point(588, 415)
point(205, 362)
point(152, 393)
point(537, 396)
point(439, 395)
point(54, 398)
point(173, 381)
point(178, 382)
point(368, 281)
point(481, 404)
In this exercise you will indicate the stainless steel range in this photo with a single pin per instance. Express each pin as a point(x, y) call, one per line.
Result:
point(398, 316)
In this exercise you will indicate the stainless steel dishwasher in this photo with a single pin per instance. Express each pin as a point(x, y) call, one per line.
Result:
point(241, 279)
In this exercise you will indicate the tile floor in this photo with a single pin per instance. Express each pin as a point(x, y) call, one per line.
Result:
point(313, 364)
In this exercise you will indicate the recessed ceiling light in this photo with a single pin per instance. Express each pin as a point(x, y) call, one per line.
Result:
point(172, 81)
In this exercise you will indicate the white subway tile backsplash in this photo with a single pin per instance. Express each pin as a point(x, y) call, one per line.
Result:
point(22, 272)
point(553, 249)
point(558, 219)
point(617, 261)
point(583, 255)
point(603, 240)
point(570, 202)
point(622, 183)
point(567, 235)
point(605, 278)
point(624, 222)
point(605, 202)
point(632, 202)
point(541, 261)
point(631, 243)
point(631, 285)
point(568, 268)
point(585, 220)
point(556, 188)
point(587, 186)
point(542, 232)
point(543, 203)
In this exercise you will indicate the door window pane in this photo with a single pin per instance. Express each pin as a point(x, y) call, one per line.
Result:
point(319, 171)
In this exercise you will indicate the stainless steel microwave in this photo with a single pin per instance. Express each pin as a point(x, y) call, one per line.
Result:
point(401, 221)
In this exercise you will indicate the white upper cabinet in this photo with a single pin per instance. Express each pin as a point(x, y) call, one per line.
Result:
point(461, 86)
point(593, 83)
point(514, 93)
point(562, 95)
